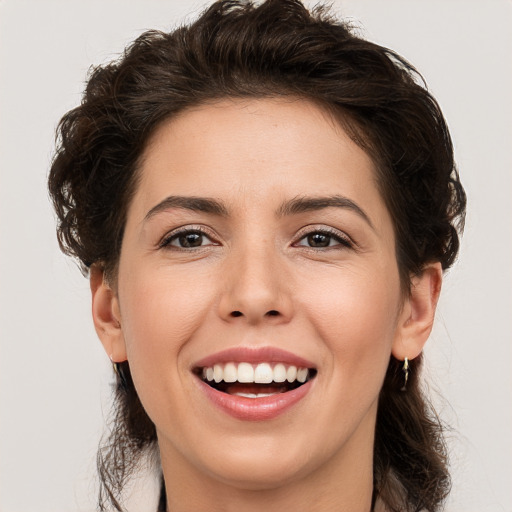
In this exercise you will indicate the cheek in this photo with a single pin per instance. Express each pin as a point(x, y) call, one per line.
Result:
point(160, 312)
point(356, 315)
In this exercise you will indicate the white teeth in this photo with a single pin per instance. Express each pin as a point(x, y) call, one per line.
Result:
point(254, 395)
point(262, 373)
point(302, 374)
point(245, 372)
point(230, 373)
point(291, 373)
point(279, 373)
point(217, 373)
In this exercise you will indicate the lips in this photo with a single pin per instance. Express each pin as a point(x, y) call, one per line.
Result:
point(254, 355)
point(254, 383)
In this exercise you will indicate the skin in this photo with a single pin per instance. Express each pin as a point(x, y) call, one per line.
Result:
point(339, 306)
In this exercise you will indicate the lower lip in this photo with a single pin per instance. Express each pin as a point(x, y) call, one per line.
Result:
point(255, 409)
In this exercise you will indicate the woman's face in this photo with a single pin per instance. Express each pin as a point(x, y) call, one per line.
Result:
point(257, 242)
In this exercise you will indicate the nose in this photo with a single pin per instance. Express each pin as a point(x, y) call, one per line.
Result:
point(256, 288)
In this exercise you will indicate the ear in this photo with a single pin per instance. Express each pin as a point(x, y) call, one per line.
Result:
point(106, 315)
point(417, 316)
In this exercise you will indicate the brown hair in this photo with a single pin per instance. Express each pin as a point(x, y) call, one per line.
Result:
point(278, 48)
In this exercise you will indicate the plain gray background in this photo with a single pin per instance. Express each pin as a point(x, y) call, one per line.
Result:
point(54, 377)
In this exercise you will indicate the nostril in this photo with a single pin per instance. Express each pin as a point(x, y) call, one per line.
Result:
point(272, 312)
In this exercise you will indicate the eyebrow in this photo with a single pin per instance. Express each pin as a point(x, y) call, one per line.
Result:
point(294, 206)
point(307, 204)
point(198, 204)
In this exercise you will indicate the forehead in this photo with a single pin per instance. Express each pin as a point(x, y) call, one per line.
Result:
point(254, 149)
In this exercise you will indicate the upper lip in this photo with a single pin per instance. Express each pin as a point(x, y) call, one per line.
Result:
point(254, 355)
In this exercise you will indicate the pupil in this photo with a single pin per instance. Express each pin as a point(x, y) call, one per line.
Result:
point(319, 240)
point(191, 240)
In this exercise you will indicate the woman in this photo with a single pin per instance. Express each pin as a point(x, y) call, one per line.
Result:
point(265, 204)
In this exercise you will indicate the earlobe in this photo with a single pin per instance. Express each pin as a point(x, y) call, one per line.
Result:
point(417, 318)
point(106, 315)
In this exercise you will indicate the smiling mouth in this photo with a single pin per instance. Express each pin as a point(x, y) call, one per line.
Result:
point(255, 380)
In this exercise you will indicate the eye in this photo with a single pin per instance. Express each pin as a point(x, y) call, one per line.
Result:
point(187, 239)
point(323, 239)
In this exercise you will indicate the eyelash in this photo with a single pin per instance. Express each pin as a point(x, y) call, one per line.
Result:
point(182, 232)
point(343, 241)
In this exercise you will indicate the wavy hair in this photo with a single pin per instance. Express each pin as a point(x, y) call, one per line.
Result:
point(272, 49)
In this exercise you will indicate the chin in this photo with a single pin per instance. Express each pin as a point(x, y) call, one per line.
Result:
point(266, 462)
point(264, 473)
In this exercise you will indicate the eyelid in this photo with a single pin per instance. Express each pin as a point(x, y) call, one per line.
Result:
point(165, 241)
point(344, 239)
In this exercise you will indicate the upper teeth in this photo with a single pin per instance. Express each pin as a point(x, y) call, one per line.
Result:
point(262, 373)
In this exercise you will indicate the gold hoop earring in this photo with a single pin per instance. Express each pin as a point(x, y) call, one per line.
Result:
point(405, 369)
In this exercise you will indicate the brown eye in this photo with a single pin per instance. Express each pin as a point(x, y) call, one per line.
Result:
point(325, 239)
point(319, 240)
point(187, 240)
point(190, 240)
